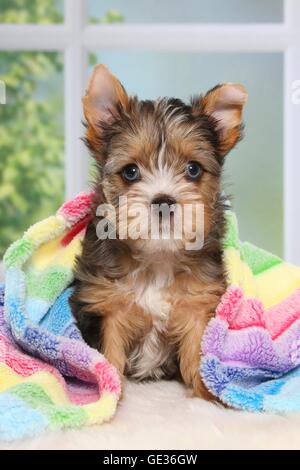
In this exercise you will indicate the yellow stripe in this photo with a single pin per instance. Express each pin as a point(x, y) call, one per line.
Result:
point(53, 253)
point(97, 412)
point(277, 283)
point(271, 286)
point(69, 253)
point(238, 272)
point(46, 254)
point(51, 386)
point(102, 410)
point(47, 228)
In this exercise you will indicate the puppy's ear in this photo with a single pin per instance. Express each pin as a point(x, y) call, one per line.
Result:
point(224, 104)
point(104, 96)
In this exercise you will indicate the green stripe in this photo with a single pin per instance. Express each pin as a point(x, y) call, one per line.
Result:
point(33, 394)
point(59, 415)
point(64, 416)
point(258, 259)
point(231, 239)
point(48, 285)
point(18, 253)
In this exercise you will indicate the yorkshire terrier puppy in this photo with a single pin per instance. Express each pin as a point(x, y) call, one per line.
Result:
point(144, 302)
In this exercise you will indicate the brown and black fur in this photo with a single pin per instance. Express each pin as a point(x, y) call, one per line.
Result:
point(112, 276)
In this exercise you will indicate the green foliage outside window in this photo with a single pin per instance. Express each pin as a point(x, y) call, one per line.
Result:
point(31, 11)
point(31, 124)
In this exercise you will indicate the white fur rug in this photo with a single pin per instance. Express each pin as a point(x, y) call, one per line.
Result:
point(161, 416)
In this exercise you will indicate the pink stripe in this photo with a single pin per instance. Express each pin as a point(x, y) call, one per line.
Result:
point(77, 208)
point(242, 312)
point(239, 311)
point(280, 317)
point(19, 362)
point(108, 378)
point(25, 366)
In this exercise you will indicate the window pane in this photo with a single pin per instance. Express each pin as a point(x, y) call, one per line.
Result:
point(253, 171)
point(31, 11)
point(31, 141)
point(190, 11)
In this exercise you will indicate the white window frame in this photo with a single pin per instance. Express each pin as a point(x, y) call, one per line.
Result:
point(76, 38)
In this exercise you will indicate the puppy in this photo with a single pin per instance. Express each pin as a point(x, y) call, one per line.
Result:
point(144, 302)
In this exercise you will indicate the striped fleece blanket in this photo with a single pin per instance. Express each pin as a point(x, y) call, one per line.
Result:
point(49, 378)
point(251, 349)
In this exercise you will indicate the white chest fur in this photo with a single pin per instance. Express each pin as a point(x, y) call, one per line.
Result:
point(153, 353)
point(153, 299)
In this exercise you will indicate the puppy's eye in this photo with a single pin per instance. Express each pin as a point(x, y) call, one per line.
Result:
point(193, 170)
point(131, 173)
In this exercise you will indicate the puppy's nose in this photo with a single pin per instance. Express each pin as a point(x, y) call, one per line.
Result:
point(163, 199)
